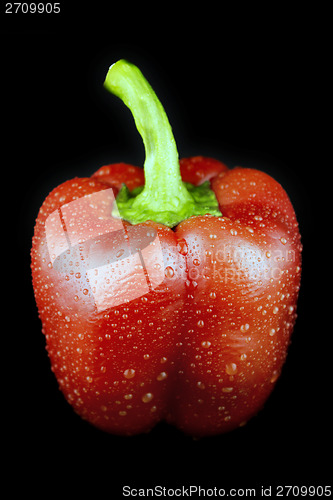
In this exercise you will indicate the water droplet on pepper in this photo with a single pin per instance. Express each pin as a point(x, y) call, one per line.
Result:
point(169, 272)
point(129, 373)
point(182, 247)
point(231, 368)
point(146, 398)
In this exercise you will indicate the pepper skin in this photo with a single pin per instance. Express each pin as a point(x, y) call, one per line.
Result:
point(188, 324)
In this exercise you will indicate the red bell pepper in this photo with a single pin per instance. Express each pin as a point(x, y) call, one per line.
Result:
point(167, 293)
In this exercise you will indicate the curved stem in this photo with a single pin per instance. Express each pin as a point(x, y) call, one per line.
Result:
point(165, 197)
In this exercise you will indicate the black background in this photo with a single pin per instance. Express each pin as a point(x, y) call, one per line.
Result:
point(241, 85)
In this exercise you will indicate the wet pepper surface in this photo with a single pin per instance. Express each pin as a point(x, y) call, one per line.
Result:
point(185, 320)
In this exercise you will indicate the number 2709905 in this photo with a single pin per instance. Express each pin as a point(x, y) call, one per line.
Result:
point(32, 8)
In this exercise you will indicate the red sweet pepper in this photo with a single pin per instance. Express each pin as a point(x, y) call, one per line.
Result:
point(175, 301)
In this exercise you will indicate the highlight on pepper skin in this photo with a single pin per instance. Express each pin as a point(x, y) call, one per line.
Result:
point(169, 292)
point(109, 243)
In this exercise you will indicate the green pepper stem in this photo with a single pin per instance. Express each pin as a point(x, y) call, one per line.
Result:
point(165, 198)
